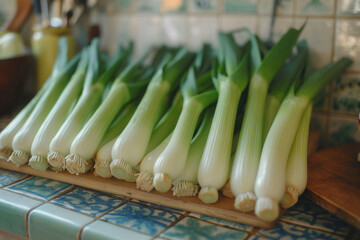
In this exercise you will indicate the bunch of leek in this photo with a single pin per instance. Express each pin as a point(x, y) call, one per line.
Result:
point(231, 78)
point(23, 139)
point(130, 147)
point(91, 96)
point(198, 93)
point(248, 152)
point(271, 175)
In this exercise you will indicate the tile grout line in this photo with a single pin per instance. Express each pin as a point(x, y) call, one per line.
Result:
point(27, 219)
point(15, 181)
point(312, 227)
point(182, 216)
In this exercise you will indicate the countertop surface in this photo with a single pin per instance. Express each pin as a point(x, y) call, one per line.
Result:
point(40, 208)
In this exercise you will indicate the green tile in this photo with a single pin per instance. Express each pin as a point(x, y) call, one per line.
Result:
point(240, 6)
point(55, 223)
point(106, 231)
point(15, 208)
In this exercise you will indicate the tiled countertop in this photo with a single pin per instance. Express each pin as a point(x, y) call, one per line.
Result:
point(40, 208)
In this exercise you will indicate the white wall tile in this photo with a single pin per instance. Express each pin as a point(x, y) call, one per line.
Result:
point(286, 7)
point(233, 22)
point(149, 32)
point(347, 42)
point(202, 29)
point(319, 34)
point(348, 7)
point(281, 25)
point(175, 29)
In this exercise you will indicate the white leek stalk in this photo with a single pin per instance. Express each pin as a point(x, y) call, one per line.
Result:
point(296, 169)
point(271, 175)
point(57, 116)
point(103, 155)
point(248, 152)
point(130, 147)
point(214, 165)
point(187, 183)
point(144, 180)
point(24, 138)
point(86, 142)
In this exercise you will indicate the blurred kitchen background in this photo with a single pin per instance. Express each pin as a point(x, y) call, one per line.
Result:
point(332, 31)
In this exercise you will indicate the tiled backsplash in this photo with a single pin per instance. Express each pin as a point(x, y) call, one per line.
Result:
point(332, 31)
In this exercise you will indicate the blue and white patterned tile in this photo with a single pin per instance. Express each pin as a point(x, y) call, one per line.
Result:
point(345, 95)
point(320, 44)
point(234, 22)
point(159, 206)
point(254, 237)
point(240, 6)
point(40, 187)
point(285, 7)
point(202, 29)
point(190, 228)
point(222, 222)
point(141, 218)
point(175, 33)
point(199, 6)
point(283, 231)
point(178, 6)
point(7, 177)
point(343, 129)
point(307, 213)
point(348, 8)
point(88, 202)
point(347, 34)
point(315, 7)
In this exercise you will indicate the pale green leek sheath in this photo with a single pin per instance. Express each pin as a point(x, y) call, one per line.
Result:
point(187, 183)
point(296, 169)
point(144, 180)
point(57, 116)
point(103, 155)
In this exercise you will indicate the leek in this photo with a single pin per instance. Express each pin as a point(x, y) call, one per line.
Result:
point(230, 82)
point(127, 86)
point(162, 130)
point(56, 117)
point(171, 162)
point(103, 155)
point(248, 151)
point(23, 139)
point(88, 102)
point(187, 183)
point(281, 84)
point(8, 133)
point(144, 180)
point(131, 145)
point(271, 175)
point(296, 169)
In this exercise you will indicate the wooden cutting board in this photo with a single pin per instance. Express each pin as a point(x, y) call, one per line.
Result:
point(334, 181)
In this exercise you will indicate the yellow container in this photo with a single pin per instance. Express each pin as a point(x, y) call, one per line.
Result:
point(44, 44)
